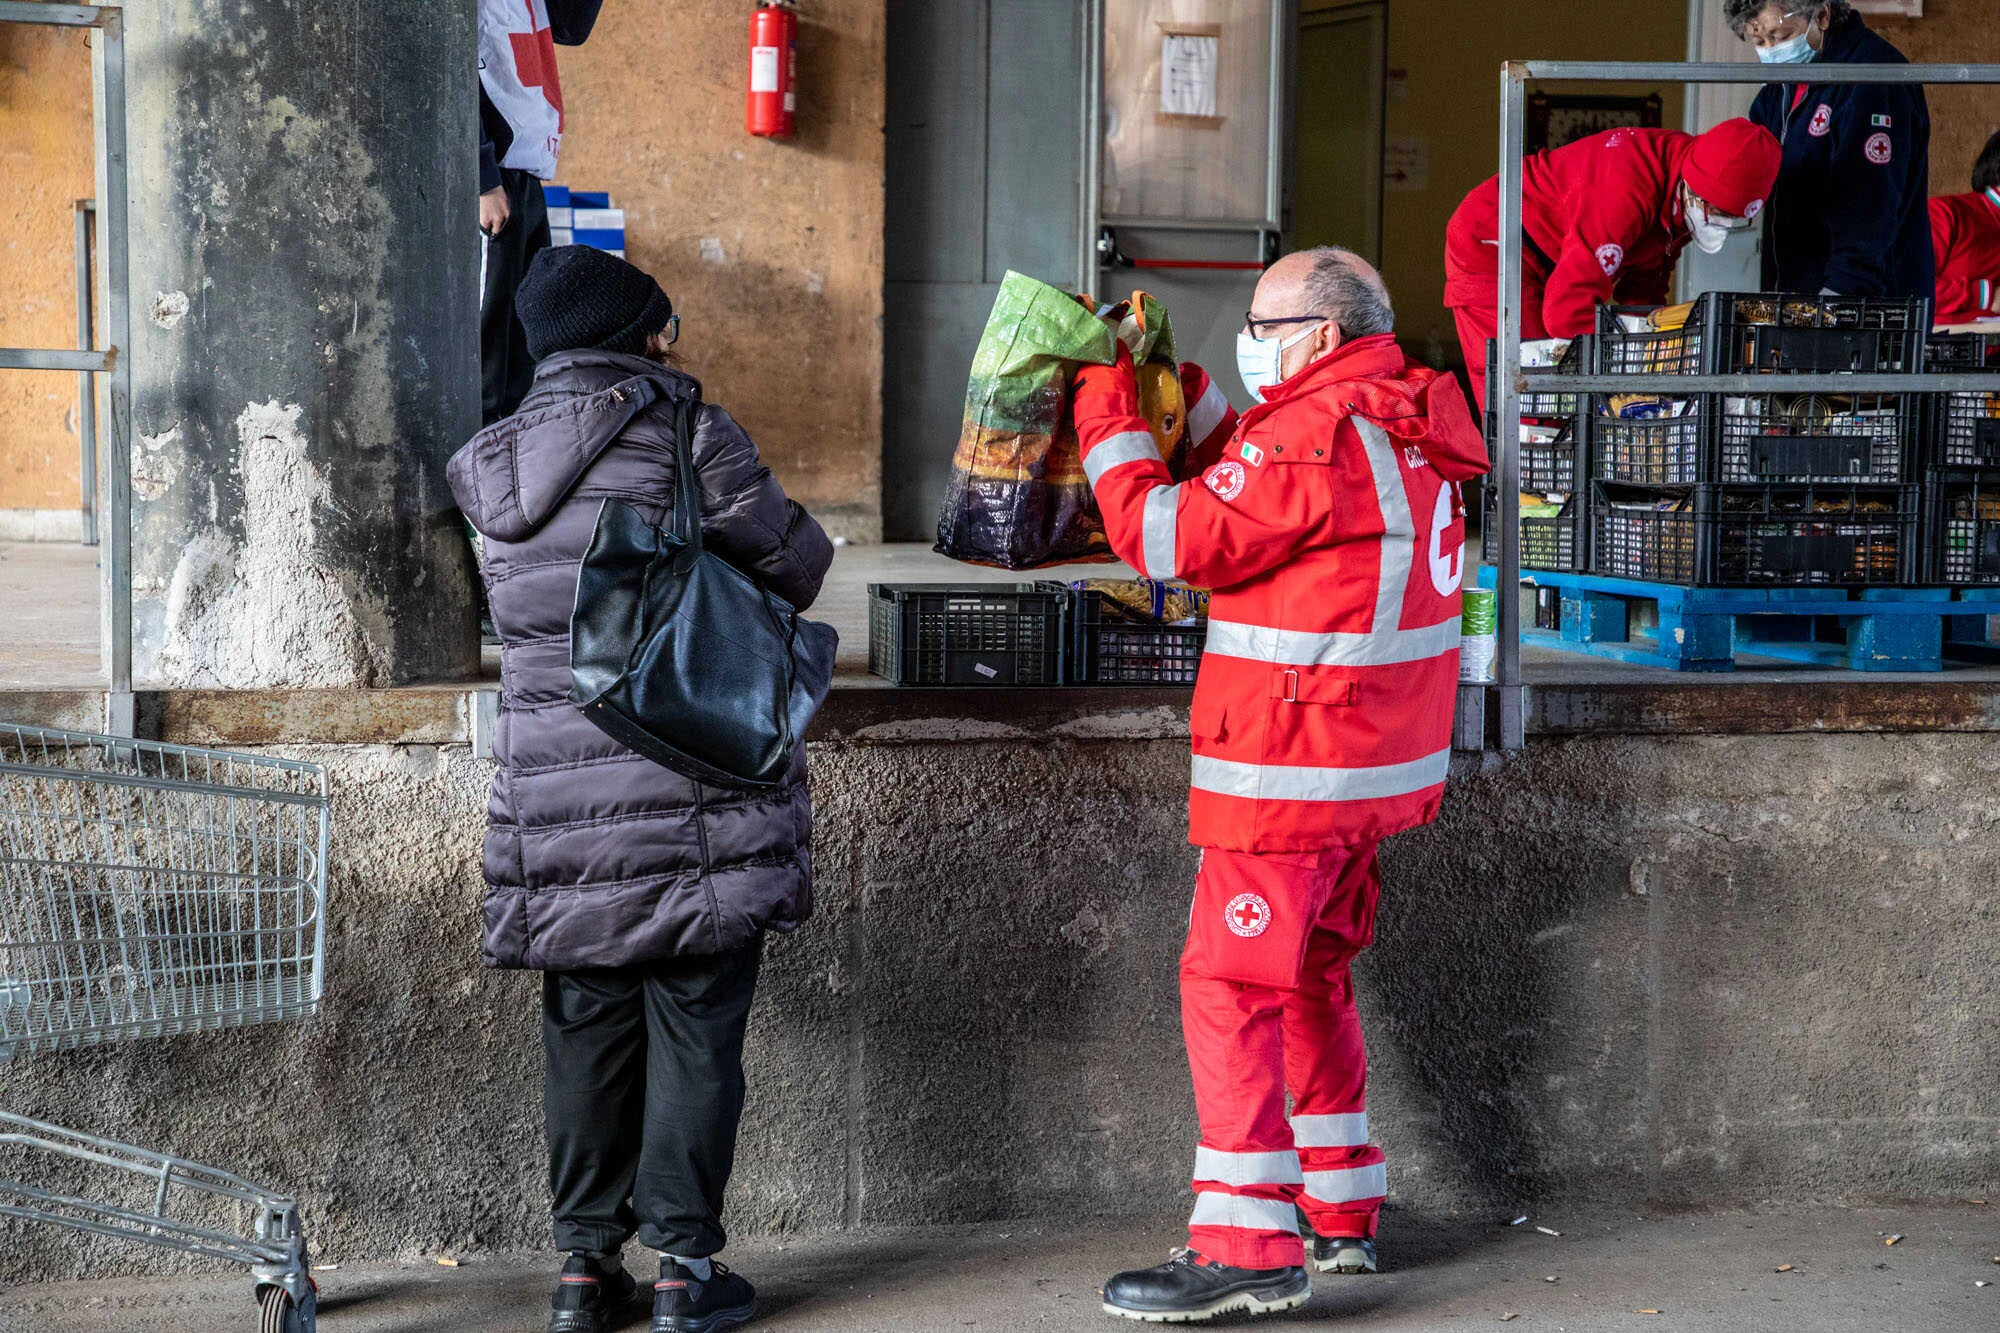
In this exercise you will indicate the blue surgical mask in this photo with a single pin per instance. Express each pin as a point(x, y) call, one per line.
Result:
point(1258, 359)
point(1796, 51)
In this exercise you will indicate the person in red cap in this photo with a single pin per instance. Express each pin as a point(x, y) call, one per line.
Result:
point(1603, 220)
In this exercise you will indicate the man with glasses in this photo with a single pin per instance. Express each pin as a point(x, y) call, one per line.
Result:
point(1329, 528)
point(1850, 215)
point(1603, 219)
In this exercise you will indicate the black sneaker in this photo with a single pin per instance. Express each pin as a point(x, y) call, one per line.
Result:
point(683, 1303)
point(1345, 1254)
point(1190, 1288)
point(589, 1298)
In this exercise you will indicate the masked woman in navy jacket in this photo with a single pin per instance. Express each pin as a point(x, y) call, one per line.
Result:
point(1849, 216)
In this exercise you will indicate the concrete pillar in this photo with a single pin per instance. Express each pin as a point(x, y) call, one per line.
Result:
point(305, 269)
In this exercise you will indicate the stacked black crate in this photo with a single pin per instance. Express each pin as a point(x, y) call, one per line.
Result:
point(1555, 530)
point(1961, 493)
point(1770, 489)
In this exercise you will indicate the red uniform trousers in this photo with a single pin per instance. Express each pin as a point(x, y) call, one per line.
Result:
point(1267, 1004)
point(1472, 290)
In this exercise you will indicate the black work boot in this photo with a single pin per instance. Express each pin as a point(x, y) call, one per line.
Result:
point(1190, 1288)
point(1345, 1254)
point(683, 1303)
point(590, 1296)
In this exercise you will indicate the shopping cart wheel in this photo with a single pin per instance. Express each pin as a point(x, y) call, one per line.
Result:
point(279, 1313)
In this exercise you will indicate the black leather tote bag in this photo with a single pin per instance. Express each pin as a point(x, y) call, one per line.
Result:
point(680, 656)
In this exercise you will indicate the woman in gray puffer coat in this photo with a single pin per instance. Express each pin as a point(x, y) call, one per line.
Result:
point(643, 896)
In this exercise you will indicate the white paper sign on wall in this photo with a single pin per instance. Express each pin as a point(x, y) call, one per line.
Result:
point(1187, 74)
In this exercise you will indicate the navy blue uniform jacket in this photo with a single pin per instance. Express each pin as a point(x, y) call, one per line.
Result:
point(1850, 212)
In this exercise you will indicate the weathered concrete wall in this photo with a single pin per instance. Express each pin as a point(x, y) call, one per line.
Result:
point(45, 155)
point(1704, 971)
point(772, 251)
point(304, 293)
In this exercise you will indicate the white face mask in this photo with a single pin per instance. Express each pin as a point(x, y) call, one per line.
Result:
point(1258, 359)
point(1711, 230)
point(1792, 51)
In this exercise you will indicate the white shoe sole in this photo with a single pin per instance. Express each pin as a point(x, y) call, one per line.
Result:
point(1243, 1302)
point(1345, 1270)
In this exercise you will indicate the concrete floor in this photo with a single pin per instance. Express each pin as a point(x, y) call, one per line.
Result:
point(48, 606)
point(1714, 1273)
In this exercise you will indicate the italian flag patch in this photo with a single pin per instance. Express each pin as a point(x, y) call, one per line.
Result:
point(1880, 122)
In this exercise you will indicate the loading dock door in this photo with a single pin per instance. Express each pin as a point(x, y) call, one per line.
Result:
point(984, 160)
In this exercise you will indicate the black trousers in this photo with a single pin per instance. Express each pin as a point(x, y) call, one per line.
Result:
point(506, 369)
point(645, 1089)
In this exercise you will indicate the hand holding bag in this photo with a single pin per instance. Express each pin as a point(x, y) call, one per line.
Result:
point(680, 656)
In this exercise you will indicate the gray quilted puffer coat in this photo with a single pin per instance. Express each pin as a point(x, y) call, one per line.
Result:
point(594, 856)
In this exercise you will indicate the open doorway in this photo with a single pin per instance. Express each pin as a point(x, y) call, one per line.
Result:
point(1342, 79)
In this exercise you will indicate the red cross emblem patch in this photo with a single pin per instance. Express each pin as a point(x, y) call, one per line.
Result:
point(1248, 915)
point(1226, 479)
point(1880, 149)
point(1822, 122)
point(1611, 258)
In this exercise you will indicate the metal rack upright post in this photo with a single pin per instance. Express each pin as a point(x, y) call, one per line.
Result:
point(1509, 696)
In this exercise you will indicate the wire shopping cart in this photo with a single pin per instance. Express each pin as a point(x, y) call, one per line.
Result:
point(148, 890)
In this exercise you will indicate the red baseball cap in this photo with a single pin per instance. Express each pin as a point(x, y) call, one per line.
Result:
point(1733, 167)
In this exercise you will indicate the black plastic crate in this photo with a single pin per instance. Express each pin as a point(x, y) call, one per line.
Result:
point(1797, 437)
point(1751, 332)
point(1540, 406)
point(1556, 543)
point(1965, 428)
point(1962, 528)
point(967, 633)
point(1662, 450)
point(1109, 651)
point(1758, 536)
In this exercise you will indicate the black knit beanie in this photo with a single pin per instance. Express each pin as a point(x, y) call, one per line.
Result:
point(575, 296)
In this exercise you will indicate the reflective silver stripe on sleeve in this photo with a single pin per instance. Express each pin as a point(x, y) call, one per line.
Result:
point(1346, 1130)
point(1246, 1168)
point(1399, 530)
point(1161, 533)
point(1287, 647)
point(1207, 414)
point(1236, 1210)
point(1132, 446)
point(1280, 782)
point(1348, 1184)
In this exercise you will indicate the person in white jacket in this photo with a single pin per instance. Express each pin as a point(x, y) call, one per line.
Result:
point(520, 132)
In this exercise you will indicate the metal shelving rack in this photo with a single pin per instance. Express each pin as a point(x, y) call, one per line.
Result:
point(112, 501)
point(1509, 696)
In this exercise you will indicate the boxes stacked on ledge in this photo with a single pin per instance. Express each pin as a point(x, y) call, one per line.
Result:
point(584, 217)
point(1766, 489)
point(1961, 480)
point(1554, 475)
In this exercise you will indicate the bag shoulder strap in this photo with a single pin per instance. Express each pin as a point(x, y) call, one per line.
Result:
point(687, 488)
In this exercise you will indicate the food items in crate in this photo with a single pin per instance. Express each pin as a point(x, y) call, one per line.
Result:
point(1981, 505)
point(1799, 314)
point(1542, 506)
point(1148, 601)
point(1543, 352)
point(1641, 407)
point(1671, 316)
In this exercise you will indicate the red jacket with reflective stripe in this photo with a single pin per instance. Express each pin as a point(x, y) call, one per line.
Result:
point(1605, 211)
point(1334, 544)
point(1965, 232)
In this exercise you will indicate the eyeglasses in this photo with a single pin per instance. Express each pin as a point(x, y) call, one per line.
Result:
point(1252, 323)
point(673, 329)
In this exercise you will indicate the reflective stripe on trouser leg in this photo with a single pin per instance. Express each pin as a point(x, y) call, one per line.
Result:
point(1326, 1065)
point(1247, 1175)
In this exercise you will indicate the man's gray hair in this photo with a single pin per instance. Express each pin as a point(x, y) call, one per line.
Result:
point(1344, 288)
point(1736, 13)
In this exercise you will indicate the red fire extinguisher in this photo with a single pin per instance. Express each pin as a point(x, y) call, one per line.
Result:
point(774, 57)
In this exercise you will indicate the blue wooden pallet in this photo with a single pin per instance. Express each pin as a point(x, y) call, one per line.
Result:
point(1707, 629)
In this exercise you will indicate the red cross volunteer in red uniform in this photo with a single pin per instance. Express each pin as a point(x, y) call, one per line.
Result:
point(1965, 233)
point(1331, 532)
point(1603, 219)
